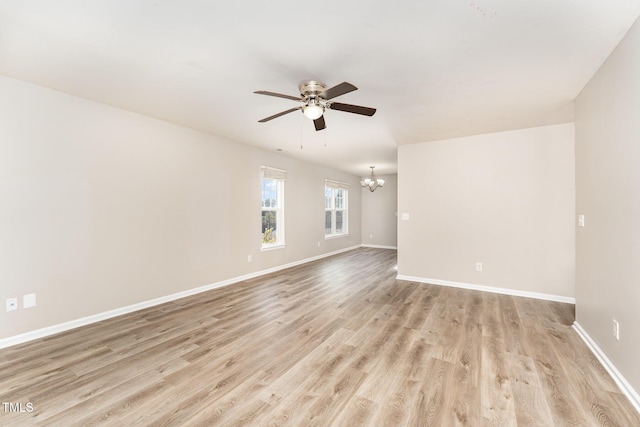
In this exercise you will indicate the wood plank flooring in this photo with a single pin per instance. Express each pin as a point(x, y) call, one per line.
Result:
point(336, 342)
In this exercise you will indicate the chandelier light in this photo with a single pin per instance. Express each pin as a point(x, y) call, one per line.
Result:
point(372, 182)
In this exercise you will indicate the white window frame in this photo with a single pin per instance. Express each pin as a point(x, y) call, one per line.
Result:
point(279, 176)
point(334, 187)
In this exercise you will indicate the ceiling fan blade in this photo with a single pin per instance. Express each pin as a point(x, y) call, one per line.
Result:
point(319, 123)
point(291, 110)
point(279, 95)
point(337, 90)
point(349, 108)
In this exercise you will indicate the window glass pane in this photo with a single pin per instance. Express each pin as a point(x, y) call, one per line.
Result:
point(269, 193)
point(339, 223)
point(327, 222)
point(335, 220)
point(340, 198)
point(269, 226)
point(272, 212)
point(327, 197)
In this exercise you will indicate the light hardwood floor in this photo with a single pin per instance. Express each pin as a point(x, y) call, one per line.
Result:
point(336, 342)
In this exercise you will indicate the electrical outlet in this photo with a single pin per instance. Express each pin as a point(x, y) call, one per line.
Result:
point(249, 258)
point(478, 266)
point(318, 243)
point(12, 304)
point(616, 330)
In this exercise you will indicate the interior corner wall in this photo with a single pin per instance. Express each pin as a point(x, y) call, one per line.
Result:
point(379, 219)
point(608, 195)
point(505, 200)
point(102, 208)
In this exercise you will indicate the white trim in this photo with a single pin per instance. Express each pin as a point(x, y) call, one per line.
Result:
point(272, 247)
point(620, 380)
point(62, 327)
point(483, 288)
point(379, 246)
point(335, 236)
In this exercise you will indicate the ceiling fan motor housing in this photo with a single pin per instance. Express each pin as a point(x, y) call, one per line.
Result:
point(311, 88)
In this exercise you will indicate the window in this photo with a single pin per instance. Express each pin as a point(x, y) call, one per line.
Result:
point(336, 200)
point(273, 207)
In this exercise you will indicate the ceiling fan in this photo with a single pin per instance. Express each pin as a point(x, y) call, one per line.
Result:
point(316, 98)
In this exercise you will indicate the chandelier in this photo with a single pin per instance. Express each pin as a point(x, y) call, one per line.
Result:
point(372, 183)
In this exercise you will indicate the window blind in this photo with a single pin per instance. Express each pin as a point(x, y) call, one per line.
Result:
point(273, 173)
point(336, 184)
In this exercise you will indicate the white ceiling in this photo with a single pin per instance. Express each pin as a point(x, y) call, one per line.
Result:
point(433, 69)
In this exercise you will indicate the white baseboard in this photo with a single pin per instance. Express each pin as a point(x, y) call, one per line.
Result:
point(620, 380)
point(482, 288)
point(62, 327)
point(379, 246)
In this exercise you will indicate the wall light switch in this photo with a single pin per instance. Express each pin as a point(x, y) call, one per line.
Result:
point(580, 220)
point(405, 216)
point(29, 300)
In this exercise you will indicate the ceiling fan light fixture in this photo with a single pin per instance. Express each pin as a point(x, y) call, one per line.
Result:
point(313, 111)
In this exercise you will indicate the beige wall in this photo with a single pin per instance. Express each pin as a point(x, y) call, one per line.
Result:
point(503, 199)
point(608, 194)
point(103, 208)
point(379, 221)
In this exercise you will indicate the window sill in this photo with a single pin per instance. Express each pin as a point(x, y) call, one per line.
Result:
point(335, 236)
point(272, 247)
